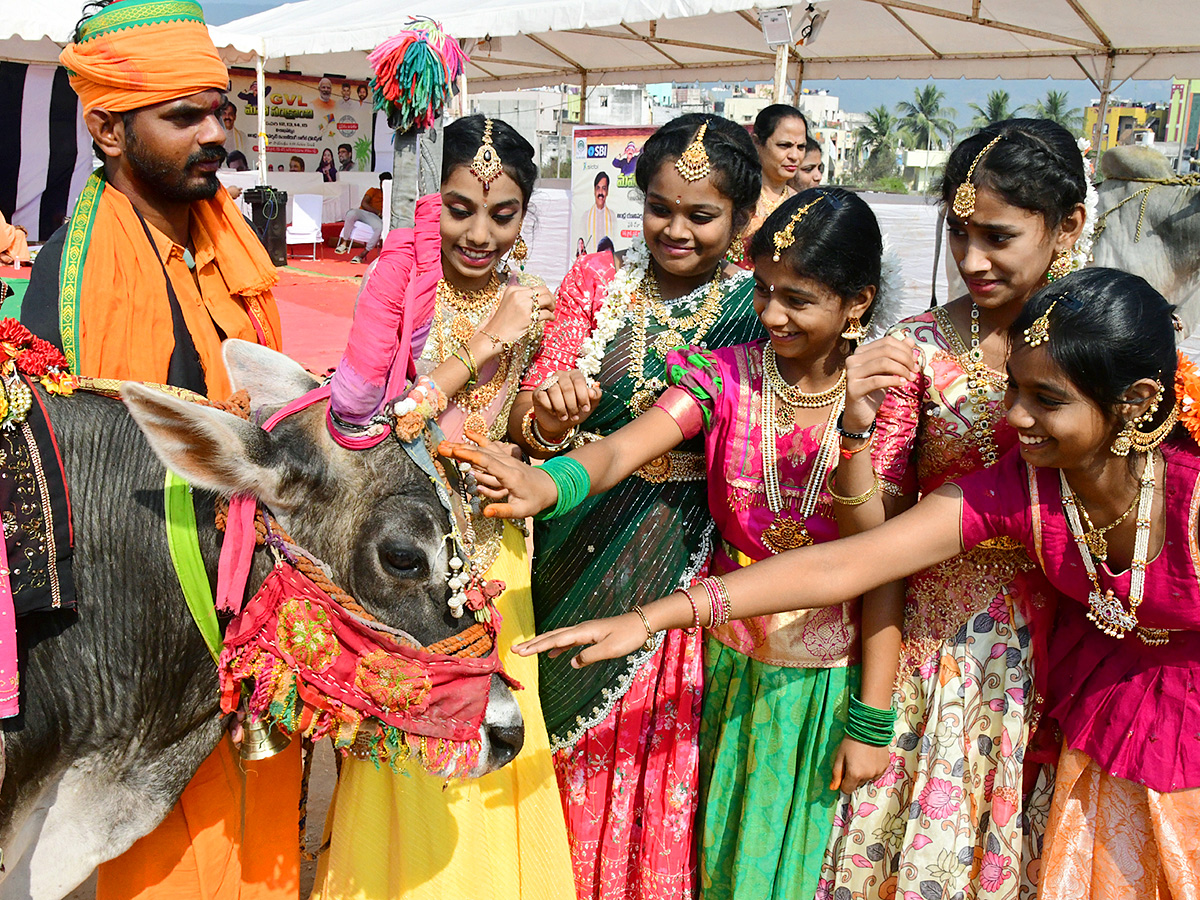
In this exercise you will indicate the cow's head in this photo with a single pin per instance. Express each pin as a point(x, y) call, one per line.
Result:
point(371, 515)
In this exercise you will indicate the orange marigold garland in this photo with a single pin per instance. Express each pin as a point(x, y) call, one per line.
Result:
point(1187, 396)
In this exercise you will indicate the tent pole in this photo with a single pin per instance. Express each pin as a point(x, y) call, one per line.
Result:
point(259, 65)
point(464, 108)
point(799, 80)
point(583, 89)
point(1105, 94)
point(781, 54)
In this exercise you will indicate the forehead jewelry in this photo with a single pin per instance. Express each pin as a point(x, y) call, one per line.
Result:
point(486, 164)
point(693, 164)
point(784, 237)
point(964, 196)
point(1039, 332)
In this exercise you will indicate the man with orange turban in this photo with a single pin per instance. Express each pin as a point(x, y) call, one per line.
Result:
point(154, 269)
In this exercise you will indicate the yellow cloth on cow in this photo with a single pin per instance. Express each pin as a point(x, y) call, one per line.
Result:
point(137, 53)
point(500, 836)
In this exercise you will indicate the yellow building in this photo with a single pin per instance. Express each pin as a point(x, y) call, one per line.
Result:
point(1120, 122)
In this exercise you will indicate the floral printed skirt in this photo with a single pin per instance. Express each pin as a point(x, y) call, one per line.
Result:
point(948, 820)
point(1113, 839)
point(768, 739)
point(629, 785)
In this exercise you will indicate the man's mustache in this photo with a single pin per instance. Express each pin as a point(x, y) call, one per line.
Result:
point(215, 153)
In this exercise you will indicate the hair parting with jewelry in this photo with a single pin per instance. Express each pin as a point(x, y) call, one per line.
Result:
point(1033, 164)
point(733, 162)
point(1106, 330)
point(827, 234)
point(463, 139)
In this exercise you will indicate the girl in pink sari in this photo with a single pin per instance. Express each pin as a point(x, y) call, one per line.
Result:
point(1108, 512)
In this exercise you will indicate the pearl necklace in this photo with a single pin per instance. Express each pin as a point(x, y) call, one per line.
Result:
point(786, 532)
point(1104, 609)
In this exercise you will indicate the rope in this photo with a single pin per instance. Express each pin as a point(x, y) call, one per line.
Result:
point(1191, 180)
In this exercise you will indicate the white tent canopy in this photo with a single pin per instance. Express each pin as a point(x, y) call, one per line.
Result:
point(526, 43)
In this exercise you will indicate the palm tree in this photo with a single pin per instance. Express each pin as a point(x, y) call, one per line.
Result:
point(879, 133)
point(926, 119)
point(996, 109)
point(1057, 108)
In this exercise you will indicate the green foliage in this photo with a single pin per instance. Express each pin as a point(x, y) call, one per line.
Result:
point(1057, 108)
point(892, 184)
point(925, 118)
point(996, 108)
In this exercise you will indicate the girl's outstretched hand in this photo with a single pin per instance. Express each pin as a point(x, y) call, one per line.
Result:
point(518, 489)
point(873, 368)
point(601, 639)
point(856, 764)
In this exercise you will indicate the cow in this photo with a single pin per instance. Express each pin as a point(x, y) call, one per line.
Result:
point(119, 701)
point(1149, 224)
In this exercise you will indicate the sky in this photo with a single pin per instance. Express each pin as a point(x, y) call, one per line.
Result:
point(863, 94)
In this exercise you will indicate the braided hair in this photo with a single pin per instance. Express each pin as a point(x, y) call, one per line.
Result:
point(736, 171)
point(1036, 166)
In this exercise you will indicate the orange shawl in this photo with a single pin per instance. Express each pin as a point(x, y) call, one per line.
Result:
point(116, 322)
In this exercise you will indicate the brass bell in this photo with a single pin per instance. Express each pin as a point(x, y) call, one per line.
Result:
point(261, 740)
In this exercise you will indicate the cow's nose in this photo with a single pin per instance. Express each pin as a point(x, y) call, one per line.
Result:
point(506, 741)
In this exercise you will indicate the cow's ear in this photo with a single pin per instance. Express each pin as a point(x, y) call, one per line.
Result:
point(212, 449)
point(270, 378)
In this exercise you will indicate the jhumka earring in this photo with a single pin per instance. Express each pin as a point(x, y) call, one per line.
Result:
point(1039, 332)
point(1130, 437)
point(520, 252)
point(693, 164)
point(964, 195)
point(854, 329)
point(1061, 266)
point(785, 236)
point(486, 163)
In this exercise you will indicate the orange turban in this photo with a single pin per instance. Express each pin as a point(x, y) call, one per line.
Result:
point(137, 53)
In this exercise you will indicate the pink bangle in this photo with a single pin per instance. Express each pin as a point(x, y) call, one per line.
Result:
point(695, 611)
point(718, 601)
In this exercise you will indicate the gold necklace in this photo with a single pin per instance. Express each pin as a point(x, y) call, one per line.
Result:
point(979, 379)
point(1094, 537)
point(1104, 609)
point(787, 532)
point(457, 315)
point(791, 395)
point(765, 207)
point(467, 306)
point(646, 299)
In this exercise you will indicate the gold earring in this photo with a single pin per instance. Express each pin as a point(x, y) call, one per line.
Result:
point(1123, 442)
point(1061, 266)
point(854, 330)
point(520, 252)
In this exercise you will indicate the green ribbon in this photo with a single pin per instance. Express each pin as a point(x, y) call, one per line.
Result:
point(183, 540)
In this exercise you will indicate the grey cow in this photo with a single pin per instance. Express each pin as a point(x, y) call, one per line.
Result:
point(119, 700)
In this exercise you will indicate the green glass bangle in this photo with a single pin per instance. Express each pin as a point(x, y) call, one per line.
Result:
point(871, 714)
point(572, 481)
point(870, 738)
point(868, 724)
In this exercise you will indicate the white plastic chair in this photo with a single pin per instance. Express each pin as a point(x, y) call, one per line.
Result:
point(306, 221)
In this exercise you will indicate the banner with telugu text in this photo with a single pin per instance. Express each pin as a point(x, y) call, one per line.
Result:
point(605, 201)
point(313, 124)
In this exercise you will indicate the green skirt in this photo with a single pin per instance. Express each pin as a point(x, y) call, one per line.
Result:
point(768, 738)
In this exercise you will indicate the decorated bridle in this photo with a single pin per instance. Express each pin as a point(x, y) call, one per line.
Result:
point(301, 657)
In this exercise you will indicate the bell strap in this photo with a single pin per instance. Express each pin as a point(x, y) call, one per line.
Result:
point(183, 540)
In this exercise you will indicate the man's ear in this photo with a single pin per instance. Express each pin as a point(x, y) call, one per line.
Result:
point(107, 130)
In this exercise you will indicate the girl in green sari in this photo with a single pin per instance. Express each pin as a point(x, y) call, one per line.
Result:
point(626, 732)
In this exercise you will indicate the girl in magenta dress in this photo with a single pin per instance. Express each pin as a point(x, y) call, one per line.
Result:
point(1109, 513)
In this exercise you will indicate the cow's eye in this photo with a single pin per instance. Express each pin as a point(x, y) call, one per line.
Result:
point(403, 560)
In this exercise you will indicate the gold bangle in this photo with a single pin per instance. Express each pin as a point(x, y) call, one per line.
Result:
point(467, 358)
point(649, 644)
point(533, 436)
point(851, 501)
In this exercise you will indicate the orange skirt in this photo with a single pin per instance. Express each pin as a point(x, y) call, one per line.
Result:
point(1113, 839)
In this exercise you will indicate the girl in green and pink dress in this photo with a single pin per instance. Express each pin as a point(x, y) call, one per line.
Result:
point(774, 747)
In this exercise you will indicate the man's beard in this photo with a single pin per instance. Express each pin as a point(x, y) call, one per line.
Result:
point(169, 182)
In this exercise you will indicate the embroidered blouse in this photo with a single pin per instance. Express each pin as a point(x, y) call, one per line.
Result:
point(719, 393)
point(1133, 708)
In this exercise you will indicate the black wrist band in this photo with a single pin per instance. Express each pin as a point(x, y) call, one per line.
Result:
point(855, 435)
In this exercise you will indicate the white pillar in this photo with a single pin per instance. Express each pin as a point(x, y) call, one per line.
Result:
point(262, 117)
